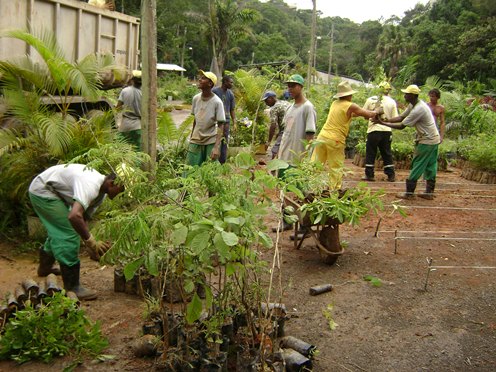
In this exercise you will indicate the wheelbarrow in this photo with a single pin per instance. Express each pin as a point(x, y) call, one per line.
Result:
point(325, 234)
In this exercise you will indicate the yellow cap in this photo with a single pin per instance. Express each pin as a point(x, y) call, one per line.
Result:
point(209, 75)
point(137, 74)
point(412, 89)
point(385, 85)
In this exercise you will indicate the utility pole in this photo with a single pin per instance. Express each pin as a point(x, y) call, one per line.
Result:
point(149, 77)
point(317, 38)
point(312, 44)
point(330, 55)
point(183, 50)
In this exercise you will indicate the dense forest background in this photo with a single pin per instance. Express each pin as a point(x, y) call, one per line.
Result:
point(452, 39)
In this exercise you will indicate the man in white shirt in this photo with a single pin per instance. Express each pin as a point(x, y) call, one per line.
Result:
point(208, 124)
point(419, 115)
point(379, 136)
point(64, 197)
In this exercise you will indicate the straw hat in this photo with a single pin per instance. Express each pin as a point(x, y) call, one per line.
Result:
point(344, 89)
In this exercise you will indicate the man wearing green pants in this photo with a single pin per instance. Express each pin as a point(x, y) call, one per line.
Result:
point(419, 115)
point(208, 123)
point(64, 197)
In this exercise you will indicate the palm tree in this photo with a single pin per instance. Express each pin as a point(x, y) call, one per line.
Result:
point(391, 47)
point(227, 23)
point(41, 135)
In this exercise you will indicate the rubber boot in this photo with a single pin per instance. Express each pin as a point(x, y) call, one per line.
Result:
point(391, 176)
point(46, 264)
point(430, 185)
point(70, 276)
point(369, 174)
point(410, 190)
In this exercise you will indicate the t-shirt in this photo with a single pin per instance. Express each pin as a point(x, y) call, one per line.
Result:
point(131, 104)
point(299, 120)
point(71, 182)
point(390, 111)
point(227, 98)
point(337, 125)
point(420, 116)
point(277, 113)
point(207, 112)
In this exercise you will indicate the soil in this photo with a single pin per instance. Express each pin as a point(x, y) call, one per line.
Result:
point(405, 324)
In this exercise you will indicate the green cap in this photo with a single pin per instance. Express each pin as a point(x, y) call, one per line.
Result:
point(298, 79)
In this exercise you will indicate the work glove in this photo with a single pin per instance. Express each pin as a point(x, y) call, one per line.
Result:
point(96, 249)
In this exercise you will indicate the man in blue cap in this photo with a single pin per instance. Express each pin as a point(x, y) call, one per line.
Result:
point(277, 111)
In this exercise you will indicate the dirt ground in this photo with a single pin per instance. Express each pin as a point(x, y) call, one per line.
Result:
point(395, 327)
point(398, 326)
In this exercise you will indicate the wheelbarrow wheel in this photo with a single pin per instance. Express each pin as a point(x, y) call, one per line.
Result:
point(329, 238)
point(330, 259)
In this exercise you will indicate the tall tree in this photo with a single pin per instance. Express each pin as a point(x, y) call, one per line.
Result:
point(227, 23)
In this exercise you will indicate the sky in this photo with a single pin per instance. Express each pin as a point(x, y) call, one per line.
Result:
point(359, 10)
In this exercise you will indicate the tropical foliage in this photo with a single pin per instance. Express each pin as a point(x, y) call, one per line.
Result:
point(453, 39)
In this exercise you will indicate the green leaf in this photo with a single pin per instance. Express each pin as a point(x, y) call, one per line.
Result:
point(376, 282)
point(221, 247)
point(200, 242)
point(131, 268)
point(265, 239)
point(194, 309)
point(231, 268)
point(276, 164)
point(232, 220)
point(189, 285)
point(231, 239)
point(172, 194)
point(152, 265)
point(179, 234)
point(296, 191)
point(244, 160)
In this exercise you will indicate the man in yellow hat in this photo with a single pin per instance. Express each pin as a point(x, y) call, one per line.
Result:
point(331, 139)
point(208, 123)
point(418, 115)
point(379, 136)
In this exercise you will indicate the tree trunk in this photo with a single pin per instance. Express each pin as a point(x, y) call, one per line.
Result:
point(149, 77)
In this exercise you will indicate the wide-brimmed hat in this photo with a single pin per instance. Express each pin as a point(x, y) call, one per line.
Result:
point(298, 79)
point(412, 89)
point(268, 94)
point(209, 75)
point(344, 89)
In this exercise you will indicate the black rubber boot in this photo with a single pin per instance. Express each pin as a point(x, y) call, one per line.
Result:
point(70, 276)
point(46, 264)
point(391, 177)
point(410, 190)
point(369, 174)
point(430, 185)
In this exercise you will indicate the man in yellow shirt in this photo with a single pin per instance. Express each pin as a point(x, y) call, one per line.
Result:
point(331, 139)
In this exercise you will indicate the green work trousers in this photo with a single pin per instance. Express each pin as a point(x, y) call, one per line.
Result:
point(63, 241)
point(133, 137)
point(424, 162)
point(198, 154)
